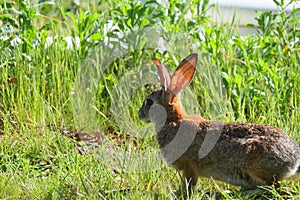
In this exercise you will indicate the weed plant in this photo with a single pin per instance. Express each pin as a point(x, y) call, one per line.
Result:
point(81, 66)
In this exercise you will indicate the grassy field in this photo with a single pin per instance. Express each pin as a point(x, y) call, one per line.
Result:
point(90, 89)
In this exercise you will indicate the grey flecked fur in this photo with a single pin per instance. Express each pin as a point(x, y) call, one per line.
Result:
point(242, 154)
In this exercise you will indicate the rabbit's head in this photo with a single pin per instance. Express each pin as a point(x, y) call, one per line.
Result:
point(164, 103)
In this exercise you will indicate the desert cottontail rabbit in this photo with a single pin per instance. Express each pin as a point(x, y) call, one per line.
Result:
point(242, 154)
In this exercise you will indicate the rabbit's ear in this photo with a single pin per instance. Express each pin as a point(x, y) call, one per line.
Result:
point(184, 74)
point(163, 73)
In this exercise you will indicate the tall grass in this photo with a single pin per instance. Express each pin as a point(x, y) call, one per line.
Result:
point(47, 89)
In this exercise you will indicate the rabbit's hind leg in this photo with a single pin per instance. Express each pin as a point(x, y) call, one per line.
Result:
point(252, 193)
point(250, 187)
point(297, 175)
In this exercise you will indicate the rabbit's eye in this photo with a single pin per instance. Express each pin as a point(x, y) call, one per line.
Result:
point(148, 102)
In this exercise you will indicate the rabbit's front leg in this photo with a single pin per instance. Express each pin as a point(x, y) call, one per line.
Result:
point(190, 177)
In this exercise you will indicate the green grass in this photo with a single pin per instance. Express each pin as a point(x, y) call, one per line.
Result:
point(99, 88)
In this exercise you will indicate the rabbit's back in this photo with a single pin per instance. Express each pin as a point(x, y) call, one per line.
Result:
point(237, 153)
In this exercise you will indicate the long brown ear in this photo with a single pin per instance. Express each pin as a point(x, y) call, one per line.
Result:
point(163, 73)
point(184, 74)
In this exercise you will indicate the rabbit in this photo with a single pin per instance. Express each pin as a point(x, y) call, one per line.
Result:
point(241, 154)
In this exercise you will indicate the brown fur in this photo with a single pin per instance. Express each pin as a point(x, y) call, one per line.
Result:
point(242, 154)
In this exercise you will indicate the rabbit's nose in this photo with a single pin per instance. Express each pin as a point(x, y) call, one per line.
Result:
point(141, 114)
